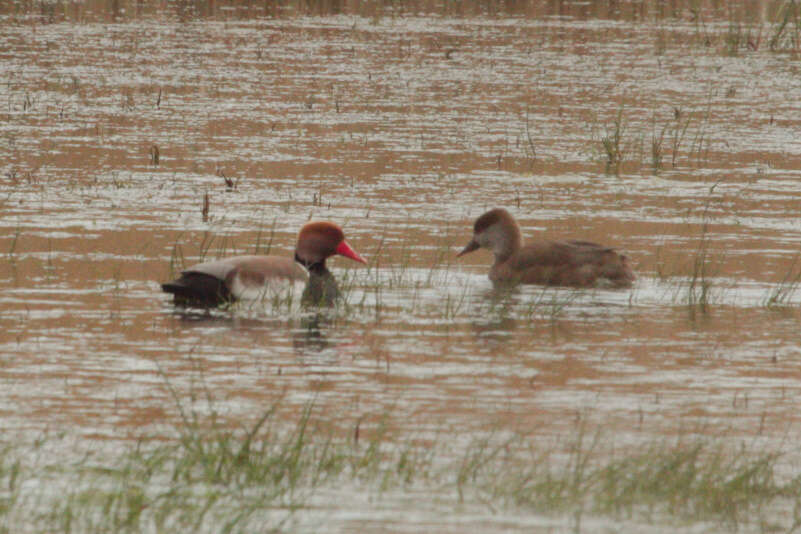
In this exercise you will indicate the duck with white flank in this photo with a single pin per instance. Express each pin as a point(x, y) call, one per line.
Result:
point(227, 280)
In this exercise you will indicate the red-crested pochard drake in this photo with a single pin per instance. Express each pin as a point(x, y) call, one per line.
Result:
point(223, 281)
point(555, 263)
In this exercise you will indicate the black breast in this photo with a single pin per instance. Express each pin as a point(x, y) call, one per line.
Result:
point(322, 288)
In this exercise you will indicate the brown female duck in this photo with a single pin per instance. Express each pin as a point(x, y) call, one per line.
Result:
point(555, 263)
point(217, 282)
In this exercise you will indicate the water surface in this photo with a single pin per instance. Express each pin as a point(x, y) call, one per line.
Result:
point(402, 124)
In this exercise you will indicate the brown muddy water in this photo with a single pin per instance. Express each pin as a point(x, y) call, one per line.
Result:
point(672, 132)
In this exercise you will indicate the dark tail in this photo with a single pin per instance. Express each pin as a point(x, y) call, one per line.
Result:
point(198, 289)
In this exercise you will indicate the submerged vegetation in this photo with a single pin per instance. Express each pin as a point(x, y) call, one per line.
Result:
point(781, 294)
point(211, 478)
point(675, 135)
point(787, 28)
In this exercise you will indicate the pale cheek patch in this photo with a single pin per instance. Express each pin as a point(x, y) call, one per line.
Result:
point(493, 238)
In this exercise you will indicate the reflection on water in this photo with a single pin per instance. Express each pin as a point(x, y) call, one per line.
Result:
point(310, 336)
point(308, 330)
point(667, 129)
point(497, 330)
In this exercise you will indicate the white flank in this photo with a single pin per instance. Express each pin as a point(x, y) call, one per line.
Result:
point(275, 293)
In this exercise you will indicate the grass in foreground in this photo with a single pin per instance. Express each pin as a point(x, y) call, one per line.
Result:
point(210, 478)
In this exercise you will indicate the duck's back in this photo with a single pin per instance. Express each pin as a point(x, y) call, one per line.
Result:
point(238, 278)
point(564, 263)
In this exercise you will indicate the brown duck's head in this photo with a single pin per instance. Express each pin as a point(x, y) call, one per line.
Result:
point(497, 231)
point(320, 240)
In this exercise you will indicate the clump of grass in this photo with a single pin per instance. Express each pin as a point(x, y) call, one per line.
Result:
point(699, 289)
point(692, 283)
point(787, 31)
point(243, 480)
point(223, 478)
point(656, 149)
point(611, 143)
point(679, 131)
point(742, 36)
point(10, 471)
point(699, 286)
point(699, 147)
point(782, 293)
point(454, 304)
point(391, 272)
point(692, 480)
point(682, 135)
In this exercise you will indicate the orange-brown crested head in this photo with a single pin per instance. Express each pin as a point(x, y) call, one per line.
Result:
point(320, 240)
point(497, 231)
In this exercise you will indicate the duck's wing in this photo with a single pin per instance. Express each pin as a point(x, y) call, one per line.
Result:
point(571, 263)
point(584, 245)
